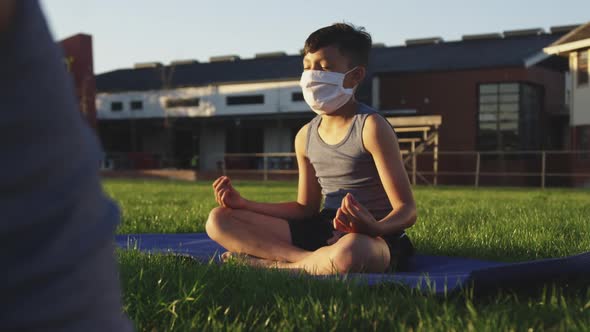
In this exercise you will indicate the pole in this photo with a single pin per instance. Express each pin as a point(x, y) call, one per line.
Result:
point(221, 162)
point(435, 165)
point(477, 168)
point(413, 151)
point(265, 164)
point(543, 168)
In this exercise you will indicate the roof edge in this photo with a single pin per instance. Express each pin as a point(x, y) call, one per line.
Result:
point(567, 47)
point(278, 80)
point(535, 59)
point(569, 34)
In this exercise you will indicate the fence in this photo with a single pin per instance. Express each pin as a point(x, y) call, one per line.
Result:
point(269, 160)
point(570, 162)
point(573, 165)
point(142, 160)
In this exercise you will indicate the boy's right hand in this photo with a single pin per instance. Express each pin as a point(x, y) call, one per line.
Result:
point(226, 195)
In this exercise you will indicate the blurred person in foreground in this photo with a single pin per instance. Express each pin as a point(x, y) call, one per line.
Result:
point(348, 156)
point(56, 230)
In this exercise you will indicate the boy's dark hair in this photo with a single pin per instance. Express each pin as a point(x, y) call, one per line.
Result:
point(353, 42)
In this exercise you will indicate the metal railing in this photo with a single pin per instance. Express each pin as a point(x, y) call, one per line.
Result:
point(576, 160)
point(266, 168)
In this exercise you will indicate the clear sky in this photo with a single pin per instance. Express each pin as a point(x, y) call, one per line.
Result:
point(129, 31)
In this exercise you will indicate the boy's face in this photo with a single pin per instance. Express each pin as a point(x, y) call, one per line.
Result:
point(329, 58)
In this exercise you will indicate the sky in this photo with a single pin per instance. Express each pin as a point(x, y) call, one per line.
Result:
point(130, 31)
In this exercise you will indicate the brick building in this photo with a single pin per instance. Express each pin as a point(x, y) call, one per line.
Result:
point(494, 92)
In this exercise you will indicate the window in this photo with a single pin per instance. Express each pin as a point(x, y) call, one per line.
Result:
point(508, 116)
point(297, 96)
point(582, 68)
point(244, 140)
point(136, 105)
point(245, 100)
point(498, 115)
point(531, 108)
point(183, 102)
point(116, 106)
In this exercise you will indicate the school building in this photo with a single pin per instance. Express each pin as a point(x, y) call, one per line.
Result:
point(575, 47)
point(497, 91)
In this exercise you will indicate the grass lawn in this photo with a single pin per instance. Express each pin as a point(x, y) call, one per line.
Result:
point(163, 293)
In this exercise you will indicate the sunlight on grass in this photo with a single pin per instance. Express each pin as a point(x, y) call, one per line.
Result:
point(163, 293)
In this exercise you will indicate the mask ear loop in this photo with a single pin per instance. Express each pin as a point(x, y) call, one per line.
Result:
point(352, 90)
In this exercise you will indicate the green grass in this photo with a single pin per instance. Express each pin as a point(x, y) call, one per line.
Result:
point(164, 293)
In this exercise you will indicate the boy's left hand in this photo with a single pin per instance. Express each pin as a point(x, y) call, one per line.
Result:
point(352, 217)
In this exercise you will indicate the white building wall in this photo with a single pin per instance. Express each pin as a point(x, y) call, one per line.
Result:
point(580, 115)
point(277, 99)
point(150, 101)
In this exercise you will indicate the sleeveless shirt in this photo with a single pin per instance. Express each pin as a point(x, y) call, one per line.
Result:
point(346, 167)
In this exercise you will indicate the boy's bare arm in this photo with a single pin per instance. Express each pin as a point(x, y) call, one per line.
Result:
point(6, 14)
point(380, 140)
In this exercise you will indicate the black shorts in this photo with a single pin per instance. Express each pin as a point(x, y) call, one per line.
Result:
point(313, 233)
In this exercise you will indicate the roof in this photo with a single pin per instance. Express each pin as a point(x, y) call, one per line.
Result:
point(462, 55)
point(442, 56)
point(574, 40)
point(199, 74)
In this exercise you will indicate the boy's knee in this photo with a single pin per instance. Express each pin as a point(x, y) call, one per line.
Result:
point(218, 218)
point(354, 254)
point(345, 257)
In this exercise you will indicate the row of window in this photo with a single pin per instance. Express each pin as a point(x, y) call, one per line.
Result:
point(508, 116)
point(137, 105)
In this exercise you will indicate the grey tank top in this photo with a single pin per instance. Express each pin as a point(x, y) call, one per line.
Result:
point(346, 167)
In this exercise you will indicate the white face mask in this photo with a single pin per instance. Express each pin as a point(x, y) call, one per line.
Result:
point(323, 90)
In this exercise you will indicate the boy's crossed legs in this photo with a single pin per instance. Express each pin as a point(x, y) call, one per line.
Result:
point(269, 239)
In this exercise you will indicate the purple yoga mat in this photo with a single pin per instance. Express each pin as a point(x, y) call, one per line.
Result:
point(437, 274)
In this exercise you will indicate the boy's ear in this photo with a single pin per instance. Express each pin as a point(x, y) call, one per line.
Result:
point(361, 72)
point(355, 77)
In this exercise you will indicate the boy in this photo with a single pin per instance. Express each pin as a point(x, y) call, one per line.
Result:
point(349, 155)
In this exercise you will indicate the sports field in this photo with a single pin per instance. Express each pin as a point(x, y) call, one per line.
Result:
point(166, 293)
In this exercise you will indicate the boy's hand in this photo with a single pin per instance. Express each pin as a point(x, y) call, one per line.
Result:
point(352, 217)
point(226, 195)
